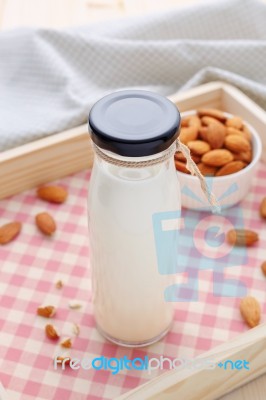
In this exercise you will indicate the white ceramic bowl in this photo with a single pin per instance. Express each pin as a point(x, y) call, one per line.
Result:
point(229, 189)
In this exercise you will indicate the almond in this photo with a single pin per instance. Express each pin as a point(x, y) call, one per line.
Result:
point(76, 329)
point(179, 156)
point(236, 143)
point(198, 147)
point(217, 158)
point(66, 343)
point(63, 360)
point(188, 134)
point(59, 284)
point(263, 267)
point(234, 131)
point(216, 135)
point(74, 305)
point(263, 208)
point(203, 133)
point(207, 121)
point(231, 168)
point(52, 194)
point(184, 122)
point(45, 223)
point(242, 237)
point(196, 158)
point(191, 120)
point(250, 311)
point(247, 133)
point(234, 122)
point(194, 120)
point(180, 166)
point(46, 311)
point(51, 332)
point(245, 156)
point(9, 232)
point(207, 170)
point(211, 112)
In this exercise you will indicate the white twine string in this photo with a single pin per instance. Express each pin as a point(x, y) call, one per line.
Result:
point(193, 169)
point(135, 164)
point(190, 165)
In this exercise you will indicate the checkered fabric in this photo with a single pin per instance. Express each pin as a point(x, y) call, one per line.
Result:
point(32, 264)
point(49, 79)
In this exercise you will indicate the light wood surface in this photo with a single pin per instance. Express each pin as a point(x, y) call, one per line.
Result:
point(206, 384)
point(63, 13)
point(68, 152)
point(45, 160)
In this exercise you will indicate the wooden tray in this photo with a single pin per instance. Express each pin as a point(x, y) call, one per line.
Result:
point(209, 384)
point(69, 152)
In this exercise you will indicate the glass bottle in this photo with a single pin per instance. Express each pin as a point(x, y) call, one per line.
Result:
point(133, 180)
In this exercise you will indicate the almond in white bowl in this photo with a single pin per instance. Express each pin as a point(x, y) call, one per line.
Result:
point(228, 150)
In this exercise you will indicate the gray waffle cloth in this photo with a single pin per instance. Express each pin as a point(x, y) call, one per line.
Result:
point(49, 79)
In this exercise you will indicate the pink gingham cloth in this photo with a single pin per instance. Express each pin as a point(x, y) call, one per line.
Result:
point(32, 264)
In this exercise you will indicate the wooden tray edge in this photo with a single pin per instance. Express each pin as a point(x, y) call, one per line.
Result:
point(209, 384)
point(68, 152)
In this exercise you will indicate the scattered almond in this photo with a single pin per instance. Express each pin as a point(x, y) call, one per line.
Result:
point(217, 158)
point(234, 122)
point(198, 147)
point(52, 194)
point(63, 360)
point(231, 168)
point(51, 332)
point(74, 305)
point(45, 223)
point(211, 112)
point(46, 311)
point(263, 267)
point(242, 237)
point(76, 329)
point(236, 143)
point(263, 208)
point(9, 232)
point(66, 343)
point(59, 284)
point(250, 311)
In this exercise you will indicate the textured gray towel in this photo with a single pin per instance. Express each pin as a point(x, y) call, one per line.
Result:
point(49, 79)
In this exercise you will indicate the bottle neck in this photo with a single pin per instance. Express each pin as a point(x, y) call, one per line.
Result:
point(135, 162)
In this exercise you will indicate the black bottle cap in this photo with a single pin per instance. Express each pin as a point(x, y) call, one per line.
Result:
point(134, 123)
